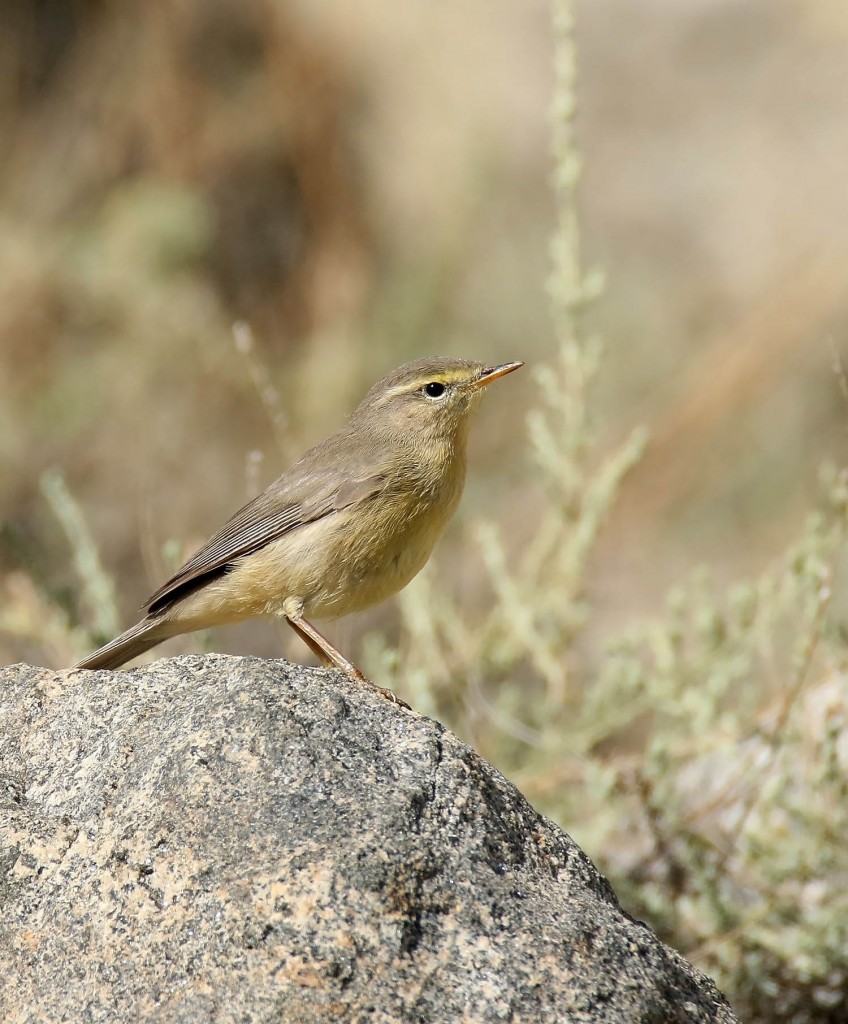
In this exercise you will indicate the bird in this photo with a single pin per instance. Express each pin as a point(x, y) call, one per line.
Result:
point(345, 527)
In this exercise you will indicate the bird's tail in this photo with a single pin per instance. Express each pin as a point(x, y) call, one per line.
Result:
point(135, 641)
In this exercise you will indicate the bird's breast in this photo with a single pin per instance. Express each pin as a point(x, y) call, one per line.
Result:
point(377, 547)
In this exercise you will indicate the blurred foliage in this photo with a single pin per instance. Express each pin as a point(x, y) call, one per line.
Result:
point(702, 757)
point(178, 169)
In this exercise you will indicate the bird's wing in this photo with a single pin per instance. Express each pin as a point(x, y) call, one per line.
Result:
point(294, 500)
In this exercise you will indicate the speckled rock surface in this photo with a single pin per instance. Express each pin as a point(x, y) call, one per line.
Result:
point(215, 839)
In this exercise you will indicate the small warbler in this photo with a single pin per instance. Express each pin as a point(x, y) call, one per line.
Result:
point(347, 526)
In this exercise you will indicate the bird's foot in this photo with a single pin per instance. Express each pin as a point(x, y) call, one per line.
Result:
point(384, 691)
point(390, 695)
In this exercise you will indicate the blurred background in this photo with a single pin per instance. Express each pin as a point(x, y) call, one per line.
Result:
point(366, 184)
point(358, 185)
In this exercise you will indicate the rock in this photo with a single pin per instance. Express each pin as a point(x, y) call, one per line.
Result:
point(217, 839)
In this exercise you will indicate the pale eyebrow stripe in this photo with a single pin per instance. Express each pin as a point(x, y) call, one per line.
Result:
point(401, 389)
point(406, 389)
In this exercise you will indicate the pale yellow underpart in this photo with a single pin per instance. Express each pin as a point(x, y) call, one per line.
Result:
point(294, 576)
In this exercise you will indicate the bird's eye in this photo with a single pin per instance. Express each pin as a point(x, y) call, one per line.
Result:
point(435, 389)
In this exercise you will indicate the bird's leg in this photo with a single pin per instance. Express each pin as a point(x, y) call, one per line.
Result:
point(329, 655)
point(321, 646)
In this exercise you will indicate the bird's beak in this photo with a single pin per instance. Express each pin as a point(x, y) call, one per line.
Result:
point(492, 373)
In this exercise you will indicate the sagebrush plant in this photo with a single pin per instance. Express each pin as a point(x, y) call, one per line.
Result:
point(703, 758)
point(725, 825)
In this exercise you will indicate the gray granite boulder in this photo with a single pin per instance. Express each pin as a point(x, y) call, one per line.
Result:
point(216, 839)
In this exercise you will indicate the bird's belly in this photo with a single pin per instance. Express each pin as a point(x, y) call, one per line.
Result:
point(331, 567)
point(365, 574)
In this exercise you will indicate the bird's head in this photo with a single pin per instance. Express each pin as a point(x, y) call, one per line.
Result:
point(428, 398)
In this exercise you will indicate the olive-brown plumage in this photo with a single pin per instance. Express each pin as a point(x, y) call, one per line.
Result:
point(348, 525)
